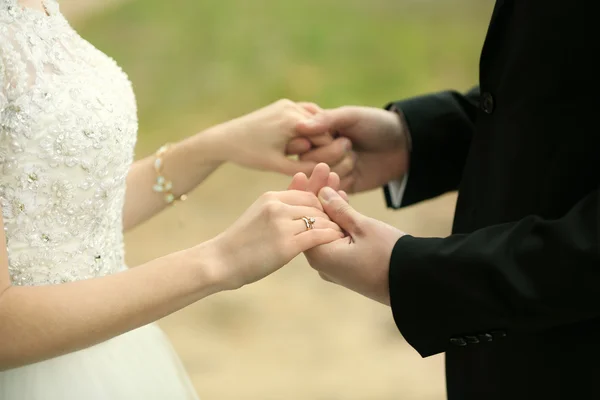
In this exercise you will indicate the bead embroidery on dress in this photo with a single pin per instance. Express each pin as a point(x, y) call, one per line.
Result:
point(68, 128)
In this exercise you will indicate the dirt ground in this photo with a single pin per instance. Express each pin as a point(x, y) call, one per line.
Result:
point(291, 336)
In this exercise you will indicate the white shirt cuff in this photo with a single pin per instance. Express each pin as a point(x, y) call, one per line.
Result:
point(397, 189)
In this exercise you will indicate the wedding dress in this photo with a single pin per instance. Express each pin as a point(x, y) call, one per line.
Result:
point(68, 127)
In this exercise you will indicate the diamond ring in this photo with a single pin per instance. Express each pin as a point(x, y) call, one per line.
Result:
point(309, 221)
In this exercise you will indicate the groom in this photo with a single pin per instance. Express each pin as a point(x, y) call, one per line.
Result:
point(513, 295)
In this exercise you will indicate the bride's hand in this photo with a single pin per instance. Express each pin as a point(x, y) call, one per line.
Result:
point(269, 235)
point(264, 138)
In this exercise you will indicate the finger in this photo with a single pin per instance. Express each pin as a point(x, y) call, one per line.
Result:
point(320, 140)
point(297, 146)
point(318, 179)
point(299, 182)
point(318, 124)
point(298, 226)
point(345, 167)
point(316, 237)
point(328, 121)
point(299, 198)
point(315, 138)
point(330, 154)
point(310, 107)
point(344, 195)
point(341, 212)
point(333, 181)
point(297, 212)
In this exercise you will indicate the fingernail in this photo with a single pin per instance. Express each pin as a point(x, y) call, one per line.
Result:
point(310, 122)
point(326, 194)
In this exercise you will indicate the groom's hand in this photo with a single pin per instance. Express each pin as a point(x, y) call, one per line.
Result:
point(379, 145)
point(360, 261)
point(322, 147)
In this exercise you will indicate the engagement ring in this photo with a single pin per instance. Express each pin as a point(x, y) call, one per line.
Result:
point(309, 221)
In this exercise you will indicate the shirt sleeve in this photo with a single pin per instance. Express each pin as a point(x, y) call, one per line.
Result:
point(396, 190)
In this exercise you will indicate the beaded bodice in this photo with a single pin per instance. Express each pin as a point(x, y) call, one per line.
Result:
point(68, 127)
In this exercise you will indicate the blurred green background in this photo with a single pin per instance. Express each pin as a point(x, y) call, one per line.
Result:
point(195, 63)
point(213, 60)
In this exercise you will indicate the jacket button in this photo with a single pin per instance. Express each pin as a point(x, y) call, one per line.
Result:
point(458, 341)
point(486, 337)
point(472, 339)
point(499, 334)
point(487, 102)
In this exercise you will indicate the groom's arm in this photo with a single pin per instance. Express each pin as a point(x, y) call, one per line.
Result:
point(511, 279)
point(440, 126)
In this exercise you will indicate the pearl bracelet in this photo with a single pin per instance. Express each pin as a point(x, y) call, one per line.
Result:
point(163, 185)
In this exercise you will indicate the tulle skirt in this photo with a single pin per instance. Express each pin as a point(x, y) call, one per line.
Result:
point(139, 365)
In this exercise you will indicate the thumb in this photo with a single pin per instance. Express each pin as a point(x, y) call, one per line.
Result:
point(340, 212)
point(326, 121)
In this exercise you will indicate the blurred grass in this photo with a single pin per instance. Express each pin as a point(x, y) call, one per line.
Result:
point(194, 63)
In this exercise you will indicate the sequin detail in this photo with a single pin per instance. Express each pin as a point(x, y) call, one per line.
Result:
point(68, 128)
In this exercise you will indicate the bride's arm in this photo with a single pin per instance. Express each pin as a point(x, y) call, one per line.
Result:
point(37, 323)
point(257, 140)
point(187, 163)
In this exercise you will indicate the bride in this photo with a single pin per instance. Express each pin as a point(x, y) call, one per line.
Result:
point(75, 323)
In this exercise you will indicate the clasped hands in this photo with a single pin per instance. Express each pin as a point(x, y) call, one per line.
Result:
point(360, 260)
point(366, 151)
point(344, 246)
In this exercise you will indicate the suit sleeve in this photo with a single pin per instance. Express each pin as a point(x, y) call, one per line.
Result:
point(520, 277)
point(441, 126)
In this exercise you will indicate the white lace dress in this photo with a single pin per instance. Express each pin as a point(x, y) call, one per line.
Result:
point(68, 128)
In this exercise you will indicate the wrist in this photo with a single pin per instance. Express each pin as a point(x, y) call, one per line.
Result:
point(402, 130)
point(214, 259)
point(208, 265)
point(186, 164)
point(208, 147)
point(401, 157)
point(220, 141)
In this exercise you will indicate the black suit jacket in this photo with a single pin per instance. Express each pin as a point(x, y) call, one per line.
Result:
point(513, 295)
